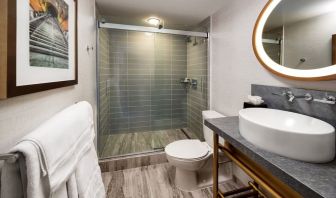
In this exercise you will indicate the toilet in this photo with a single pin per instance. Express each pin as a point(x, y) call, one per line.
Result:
point(193, 159)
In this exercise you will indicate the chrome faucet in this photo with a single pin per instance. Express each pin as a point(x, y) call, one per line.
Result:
point(291, 97)
point(327, 99)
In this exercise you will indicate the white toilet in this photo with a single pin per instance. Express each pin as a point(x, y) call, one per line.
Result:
point(193, 161)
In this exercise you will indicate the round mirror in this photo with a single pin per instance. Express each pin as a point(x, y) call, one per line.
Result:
point(297, 38)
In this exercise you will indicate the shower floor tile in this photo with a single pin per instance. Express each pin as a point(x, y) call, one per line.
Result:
point(152, 182)
point(130, 143)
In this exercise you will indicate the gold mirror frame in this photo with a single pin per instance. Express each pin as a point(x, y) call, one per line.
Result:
point(321, 74)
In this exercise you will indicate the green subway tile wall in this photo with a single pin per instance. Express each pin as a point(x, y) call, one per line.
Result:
point(144, 93)
point(197, 67)
point(104, 72)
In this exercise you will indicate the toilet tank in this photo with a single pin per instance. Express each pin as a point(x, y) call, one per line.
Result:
point(208, 133)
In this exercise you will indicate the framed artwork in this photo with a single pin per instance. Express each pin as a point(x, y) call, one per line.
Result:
point(39, 46)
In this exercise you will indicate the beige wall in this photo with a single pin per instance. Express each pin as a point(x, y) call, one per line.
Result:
point(20, 115)
point(310, 39)
point(234, 66)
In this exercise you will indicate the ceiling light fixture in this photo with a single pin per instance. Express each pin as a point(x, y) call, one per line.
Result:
point(153, 21)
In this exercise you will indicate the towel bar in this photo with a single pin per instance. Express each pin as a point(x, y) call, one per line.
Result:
point(11, 158)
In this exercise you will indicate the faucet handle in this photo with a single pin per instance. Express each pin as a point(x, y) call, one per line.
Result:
point(290, 96)
point(330, 98)
point(308, 97)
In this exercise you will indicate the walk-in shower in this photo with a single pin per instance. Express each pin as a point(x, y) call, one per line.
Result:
point(273, 41)
point(152, 87)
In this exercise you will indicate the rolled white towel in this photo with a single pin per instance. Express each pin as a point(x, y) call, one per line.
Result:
point(256, 100)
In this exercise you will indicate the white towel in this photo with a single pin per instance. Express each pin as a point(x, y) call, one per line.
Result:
point(11, 185)
point(72, 187)
point(62, 141)
point(11, 181)
point(86, 181)
point(54, 151)
point(88, 176)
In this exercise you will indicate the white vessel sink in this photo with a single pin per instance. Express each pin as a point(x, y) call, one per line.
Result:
point(288, 134)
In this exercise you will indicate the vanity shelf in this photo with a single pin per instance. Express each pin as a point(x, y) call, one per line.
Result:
point(264, 183)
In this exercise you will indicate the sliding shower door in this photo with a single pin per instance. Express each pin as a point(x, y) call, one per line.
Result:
point(143, 105)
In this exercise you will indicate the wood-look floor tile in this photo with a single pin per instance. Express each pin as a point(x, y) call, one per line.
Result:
point(129, 143)
point(155, 181)
point(114, 187)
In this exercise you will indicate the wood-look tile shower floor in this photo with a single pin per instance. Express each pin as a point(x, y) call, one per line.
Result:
point(129, 143)
point(154, 181)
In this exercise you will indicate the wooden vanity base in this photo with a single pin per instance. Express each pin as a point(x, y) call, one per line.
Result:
point(264, 183)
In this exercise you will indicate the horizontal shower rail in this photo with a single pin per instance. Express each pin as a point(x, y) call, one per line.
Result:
point(151, 29)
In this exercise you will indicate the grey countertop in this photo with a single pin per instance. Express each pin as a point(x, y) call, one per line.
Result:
point(310, 180)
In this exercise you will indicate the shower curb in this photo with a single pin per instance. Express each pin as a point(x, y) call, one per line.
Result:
point(132, 161)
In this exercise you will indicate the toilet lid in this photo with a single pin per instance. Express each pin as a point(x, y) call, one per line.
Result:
point(187, 149)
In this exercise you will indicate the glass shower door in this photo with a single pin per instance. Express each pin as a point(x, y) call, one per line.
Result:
point(142, 104)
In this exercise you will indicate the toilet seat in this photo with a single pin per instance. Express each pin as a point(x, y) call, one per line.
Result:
point(188, 150)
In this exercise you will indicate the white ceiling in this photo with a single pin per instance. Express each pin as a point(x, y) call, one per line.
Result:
point(177, 14)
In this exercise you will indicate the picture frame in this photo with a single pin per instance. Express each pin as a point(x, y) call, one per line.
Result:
point(38, 46)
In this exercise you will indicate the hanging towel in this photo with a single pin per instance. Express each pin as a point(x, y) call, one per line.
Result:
point(88, 176)
point(54, 151)
point(12, 175)
point(86, 181)
point(11, 183)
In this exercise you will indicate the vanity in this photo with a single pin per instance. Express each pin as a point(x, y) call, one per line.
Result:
point(280, 176)
point(304, 169)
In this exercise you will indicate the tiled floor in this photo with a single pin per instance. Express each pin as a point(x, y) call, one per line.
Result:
point(154, 181)
point(129, 143)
